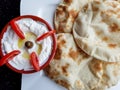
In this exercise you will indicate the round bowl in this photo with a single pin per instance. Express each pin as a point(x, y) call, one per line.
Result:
point(53, 47)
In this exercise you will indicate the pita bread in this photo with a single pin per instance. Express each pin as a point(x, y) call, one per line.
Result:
point(70, 67)
point(75, 70)
point(66, 13)
point(97, 30)
point(110, 75)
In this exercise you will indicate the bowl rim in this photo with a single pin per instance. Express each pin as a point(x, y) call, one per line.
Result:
point(36, 18)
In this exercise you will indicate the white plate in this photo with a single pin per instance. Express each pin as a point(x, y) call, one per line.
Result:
point(44, 9)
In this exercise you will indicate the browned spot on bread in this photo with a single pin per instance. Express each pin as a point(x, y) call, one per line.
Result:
point(64, 21)
point(68, 1)
point(114, 27)
point(73, 54)
point(60, 28)
point(63, 42)
point(97, 65)
point(105, 76)
point(84, 55)
point(106, 13)
point(97, 1)
point(118, 16)
point(105, 38)
point(63, 83)
point(51, 73)
point(95, 8)
point(64, 68)
point(85, 8)
point(73, 13)
point(98, 32)
point(112, 4)
point(60, 43)
point(60, 10)
point(103, 20)
point(118, 10)
point(66, 74)
point(108, 63)
point(112, 45)
point(54, 74)
point(111, 11)
point(59, 36)
point(58, 54)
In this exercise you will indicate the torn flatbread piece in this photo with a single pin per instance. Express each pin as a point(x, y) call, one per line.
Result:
point(110, 73)
point(70, 67)
point(66, 13)
point(97, 30)
point(75, 70)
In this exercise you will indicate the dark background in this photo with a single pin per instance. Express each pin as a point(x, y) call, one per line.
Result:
point(9, 80)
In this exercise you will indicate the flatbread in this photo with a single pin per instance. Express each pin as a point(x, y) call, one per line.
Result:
point(75, 70)
point(70, 67)
point(66, 13)
point(110, 74)
point(97, 30)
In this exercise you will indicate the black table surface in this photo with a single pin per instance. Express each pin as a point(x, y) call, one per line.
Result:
point(9, 80)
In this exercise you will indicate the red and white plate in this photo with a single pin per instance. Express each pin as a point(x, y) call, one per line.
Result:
point(44, 9)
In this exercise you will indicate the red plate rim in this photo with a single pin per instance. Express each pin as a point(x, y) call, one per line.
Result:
point(53, 47)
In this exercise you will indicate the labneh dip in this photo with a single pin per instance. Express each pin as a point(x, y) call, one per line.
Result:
point(32, 29)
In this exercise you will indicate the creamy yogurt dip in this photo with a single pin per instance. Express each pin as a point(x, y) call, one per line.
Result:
point(31, 29)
